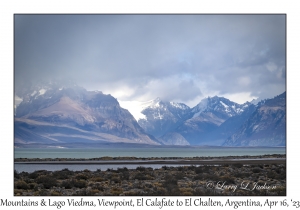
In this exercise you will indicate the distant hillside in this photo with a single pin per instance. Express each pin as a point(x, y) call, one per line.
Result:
point(54, 113)
point(63, 113)
point(265, 127)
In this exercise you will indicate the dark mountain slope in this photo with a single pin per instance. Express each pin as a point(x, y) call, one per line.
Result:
point(265, 127)
point(56, 114)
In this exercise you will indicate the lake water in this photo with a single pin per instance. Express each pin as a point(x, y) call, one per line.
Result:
point(34, 167)
point(146, 152)
point(129, 152)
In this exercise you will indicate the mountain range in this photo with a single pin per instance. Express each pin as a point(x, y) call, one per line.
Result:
point(58, 113)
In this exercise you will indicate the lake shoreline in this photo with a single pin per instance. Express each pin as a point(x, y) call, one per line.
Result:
point(265, 159)
point(225, 179)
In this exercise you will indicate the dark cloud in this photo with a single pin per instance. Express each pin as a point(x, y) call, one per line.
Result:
point(136, 57)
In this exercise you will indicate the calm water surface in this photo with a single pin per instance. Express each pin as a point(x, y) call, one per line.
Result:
point(129, 152)
point(145, 152)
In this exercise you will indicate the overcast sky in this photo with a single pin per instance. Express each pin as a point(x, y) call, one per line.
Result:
point(181, 58)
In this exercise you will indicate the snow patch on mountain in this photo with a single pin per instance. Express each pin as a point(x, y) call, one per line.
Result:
point(42, 91)
point(152, 103)
point(179, 105)
point(33, 93)
point(18, 100)
point(136, 107)
point(219, 104)
point(226, 107)
point(200, 107)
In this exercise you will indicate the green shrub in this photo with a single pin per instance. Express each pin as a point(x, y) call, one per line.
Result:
point(67, 184)
point(122, 169)
point(63, 174)
point(271, 174)
point(192, 167)
point(237, 165)
point(140, 176)
point(256, 170)
point(98, 187)
point(16, 174)
point(242, 175)
point(125, 175)
point(79, 183)
point(34, 175)
point(18, 192)
point(55, 193)
point(116, 191)
point(141, 168)
point(81, 176)
point(97, 179)
point(279, 190)
point(228, 179)
point(179, 175)
point(199, 170)
point(187, 193)
point(169, 179)
point(115, 179)
point(20, 184)
point(94, 191)
point(47, 181)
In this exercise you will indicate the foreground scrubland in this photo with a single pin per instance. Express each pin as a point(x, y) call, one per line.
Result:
point(225, 179)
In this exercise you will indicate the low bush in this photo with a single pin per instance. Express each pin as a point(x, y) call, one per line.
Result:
point(141, 168)
point(94, 191)
point(227, 179)
point(20, 184)
point(115, 179)
point(16, 174)
point(256, 170)
point(122, 169)
point(237, 165)
point(116, 191)
point(47, 181)
point(97, 179)
point(140, 176)
point(125, 175)
point(18, 192)
point(63, 174)
point(55, 193)
point(81, 176)
point(67, 184)
point(271, 174)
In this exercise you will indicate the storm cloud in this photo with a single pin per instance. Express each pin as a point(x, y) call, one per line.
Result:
point(181, 58)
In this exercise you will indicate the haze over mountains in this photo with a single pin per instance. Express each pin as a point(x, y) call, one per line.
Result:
point(54, 113)
point(63, 114)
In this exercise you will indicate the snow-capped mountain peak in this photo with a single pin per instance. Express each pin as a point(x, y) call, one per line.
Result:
point(179, 105)
point(157, 115)
point(155, 103)
point(218, 104)
point(200, 107)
